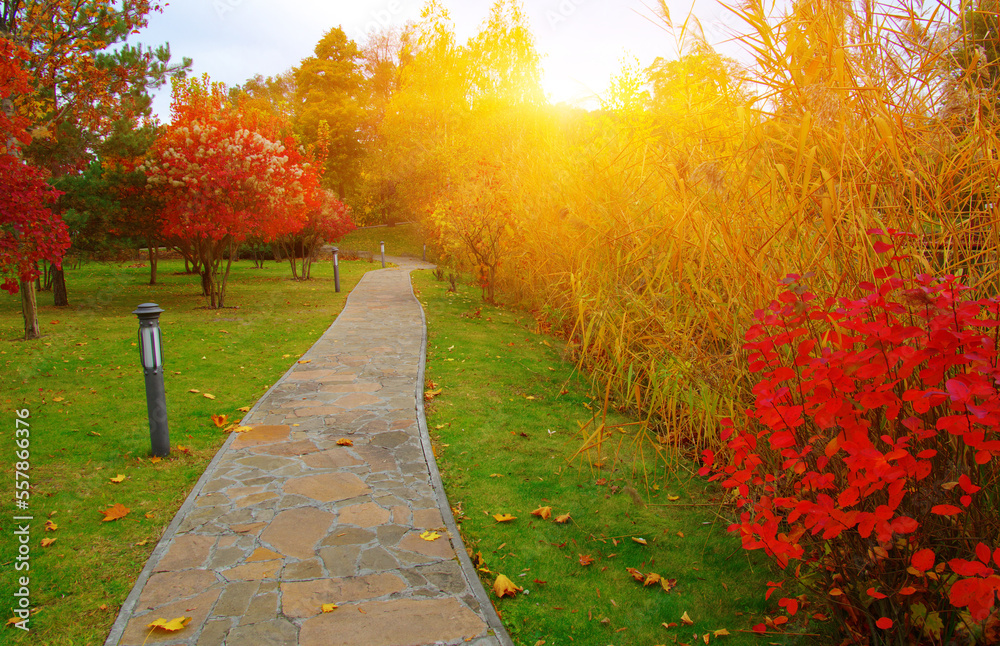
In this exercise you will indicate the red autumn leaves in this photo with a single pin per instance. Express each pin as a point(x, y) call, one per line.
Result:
point(863, 409)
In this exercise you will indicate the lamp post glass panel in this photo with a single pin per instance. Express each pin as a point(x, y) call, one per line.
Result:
point(151, 360)
point(336, 270)
point(381, 245)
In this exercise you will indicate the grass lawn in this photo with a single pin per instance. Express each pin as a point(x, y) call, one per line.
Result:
point(400, 240)
point(505, 425)
point(83, 388)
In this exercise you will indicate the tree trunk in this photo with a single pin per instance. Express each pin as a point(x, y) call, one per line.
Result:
point(154, 253)
point(29, 309)
point(59, 296)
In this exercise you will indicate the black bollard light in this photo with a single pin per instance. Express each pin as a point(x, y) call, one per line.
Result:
point(151, 359)
point(336, 270)
point(382, 246)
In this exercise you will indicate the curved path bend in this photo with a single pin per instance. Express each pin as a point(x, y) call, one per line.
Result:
point(285, 520)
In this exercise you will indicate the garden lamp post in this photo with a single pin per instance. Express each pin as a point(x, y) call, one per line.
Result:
point(336, 270)
point(381, 245)
point(151, 358)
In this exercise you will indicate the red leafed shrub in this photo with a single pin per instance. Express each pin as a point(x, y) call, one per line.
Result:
point(869, 460)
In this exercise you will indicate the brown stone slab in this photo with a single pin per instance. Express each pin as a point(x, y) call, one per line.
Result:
point(187, 551)
point(356, 400)
point(165, 587)
point(360, 387)
point(331, 459)
point(253, 571)
point(253, 499)
point(427, 518)
point(401, 622)
point(305, 598)
point(309, 375)
point(137, 633)
point(327, 487)
point(365, 515)
point(263, 554)
point(440, 548)
point(264, 434)
point(251, 528)
point(317, 411)
point(301, 447)
point(295, 532)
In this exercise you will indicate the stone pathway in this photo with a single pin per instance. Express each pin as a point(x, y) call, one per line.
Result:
point(285, 520)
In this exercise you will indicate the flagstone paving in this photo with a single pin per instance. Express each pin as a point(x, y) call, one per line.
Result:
point(286, 520)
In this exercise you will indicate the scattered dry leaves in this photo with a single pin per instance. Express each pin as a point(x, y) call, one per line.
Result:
point(115, 512)
point(543, 512)
point(505, 587)
point(170, 626)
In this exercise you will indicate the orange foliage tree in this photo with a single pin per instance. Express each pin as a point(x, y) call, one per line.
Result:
point(225, 174)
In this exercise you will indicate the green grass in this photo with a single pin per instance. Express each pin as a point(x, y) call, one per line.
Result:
point(84, 389)
point(504, 430)
point(400, 240)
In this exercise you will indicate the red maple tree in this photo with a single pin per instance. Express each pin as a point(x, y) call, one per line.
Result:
point(29, 230)
point(224, 173)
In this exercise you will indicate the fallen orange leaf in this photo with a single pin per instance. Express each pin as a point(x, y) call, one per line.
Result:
point(562, 519)
point(171, 626)
point(345, 442)
point(636, 574)
point(183, 449)
point(504, 518)
point(305, 361)
point(118, 478)
point(505, 587)
point(220, 420)
point(652, 579)
point(155, 459)
point(431, 394)
point(686, 619)
point(542, 512)
point(586, 559)
point(115, 512)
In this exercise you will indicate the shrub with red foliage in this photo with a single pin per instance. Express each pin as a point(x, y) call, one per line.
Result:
point(868, 462)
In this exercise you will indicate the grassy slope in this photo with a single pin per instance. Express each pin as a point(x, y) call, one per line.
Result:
point(84, 389)
point(400, 240)
point(503, 432)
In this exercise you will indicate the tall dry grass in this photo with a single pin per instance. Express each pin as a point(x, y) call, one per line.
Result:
point(658, 226)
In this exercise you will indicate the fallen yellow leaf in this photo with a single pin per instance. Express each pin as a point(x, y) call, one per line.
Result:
point(686, 619)
point(504, 518)
point(431, 394)
point(543, 512)
point(329, 607)
point(430, 536)
point(505, 587)
point(58, 399)
point(220, 420)
point(305, 361)
point(118, 478)
point(562, 519)
point(155, 459)
point(244, 409)
point(671, 497)
point(722, 632)
point(651, 579)
point(640, 541)
point(496, 475)
point(50, 526)
point(345, 442)
point(208, 396)
point(194, 390)
point(115, 512)
point(171, 626)
point(48, 541)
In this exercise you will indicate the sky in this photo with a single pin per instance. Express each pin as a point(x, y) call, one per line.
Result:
point(583, 43)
